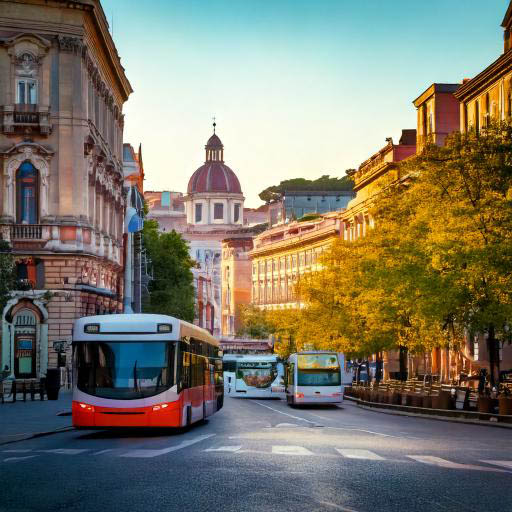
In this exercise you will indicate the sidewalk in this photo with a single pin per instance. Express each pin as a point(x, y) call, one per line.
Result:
point(23, 420)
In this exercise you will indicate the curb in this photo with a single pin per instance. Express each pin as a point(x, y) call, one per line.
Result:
point(33, 435)
point(386, 410)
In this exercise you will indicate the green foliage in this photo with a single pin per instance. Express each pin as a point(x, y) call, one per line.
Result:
point(254, 323)
point(7, 273)
point(325, 182)
point(171, 292)
point(437, 264)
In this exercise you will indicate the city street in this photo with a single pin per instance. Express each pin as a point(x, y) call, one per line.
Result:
point(261, 455)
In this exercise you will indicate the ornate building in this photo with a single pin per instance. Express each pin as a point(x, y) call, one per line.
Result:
point(212, 210)
point(62, 89)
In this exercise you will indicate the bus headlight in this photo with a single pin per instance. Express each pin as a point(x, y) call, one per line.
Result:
point(87, 407)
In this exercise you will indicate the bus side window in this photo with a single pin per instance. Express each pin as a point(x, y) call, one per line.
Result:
point(291, 374)
point(185, 371)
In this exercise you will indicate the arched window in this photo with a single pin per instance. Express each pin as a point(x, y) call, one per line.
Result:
point(27, 200)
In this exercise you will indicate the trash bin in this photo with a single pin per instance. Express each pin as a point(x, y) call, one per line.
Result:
point(53, 383)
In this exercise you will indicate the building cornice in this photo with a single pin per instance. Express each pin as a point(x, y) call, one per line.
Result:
point(480, 82)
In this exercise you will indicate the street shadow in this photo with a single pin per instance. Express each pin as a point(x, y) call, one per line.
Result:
point(139, 432)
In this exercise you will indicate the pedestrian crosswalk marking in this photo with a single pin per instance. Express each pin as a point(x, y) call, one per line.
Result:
point(504, 463)
point(291, 450)
point(359, 454)
point(155, 453)
point(443, 463)
point(65, 451)
point(16, 451)
point(224, 449)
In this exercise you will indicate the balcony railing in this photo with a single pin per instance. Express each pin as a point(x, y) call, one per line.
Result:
point(26, 232)
point(26, 115)
point(23, 117)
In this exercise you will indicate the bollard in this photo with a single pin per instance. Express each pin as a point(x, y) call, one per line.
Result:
point(24, 391)
point(32, 390)
point(13, 391)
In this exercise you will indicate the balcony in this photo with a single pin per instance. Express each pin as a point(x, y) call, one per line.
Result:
point(26, 232)
point(23, 118)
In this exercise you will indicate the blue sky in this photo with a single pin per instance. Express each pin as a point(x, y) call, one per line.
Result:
point(300, 88)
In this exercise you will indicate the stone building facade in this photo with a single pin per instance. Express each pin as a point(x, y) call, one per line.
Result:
point(62, 90)
point(281, 255)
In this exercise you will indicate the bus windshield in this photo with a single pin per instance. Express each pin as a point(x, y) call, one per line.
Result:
point(318, 362)
point(124, 370)
point(257, 374)
point(318, 370)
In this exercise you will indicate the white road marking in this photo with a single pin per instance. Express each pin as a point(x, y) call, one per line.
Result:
point(335, 506)
point(103, 451)
point(224, 449)
point(291, 450)
point(65, 451)
point(16, 459)
point(443, 463)
point(286, 414)
point(359, 454)
point(156, 453)
point(504, 463)
point(16, 451)
point(370, 432)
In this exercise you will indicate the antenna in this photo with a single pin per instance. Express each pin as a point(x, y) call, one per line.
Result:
point(214, 123)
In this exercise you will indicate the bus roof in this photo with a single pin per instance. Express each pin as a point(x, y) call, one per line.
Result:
point(138, 326)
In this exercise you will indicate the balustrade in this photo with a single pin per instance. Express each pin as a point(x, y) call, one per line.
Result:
point(26, 232)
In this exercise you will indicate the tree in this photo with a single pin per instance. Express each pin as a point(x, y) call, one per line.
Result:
point(438, 263)
point(325, 182)
point(171, 291)
point(7, 273)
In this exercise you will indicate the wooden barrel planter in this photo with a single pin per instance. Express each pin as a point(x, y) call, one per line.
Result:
point(383, 397)
point(395, 398)
point(484, 404)
point(505, 405)
point(445, 400)
point(427, 401)
point(416, 400)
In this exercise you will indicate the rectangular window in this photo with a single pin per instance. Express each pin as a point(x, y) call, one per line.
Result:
point(26, 92)
point(218, 211)
point(199, 212)
point(236, 216)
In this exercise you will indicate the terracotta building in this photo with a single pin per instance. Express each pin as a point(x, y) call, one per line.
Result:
point(437, 114)
point(236, 282)
point(62, 90)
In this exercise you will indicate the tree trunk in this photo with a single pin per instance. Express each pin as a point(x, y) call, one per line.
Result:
point(491, 347)
point(403, 363)
point(378, 367)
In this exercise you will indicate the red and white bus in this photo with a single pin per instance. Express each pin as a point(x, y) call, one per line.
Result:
point(142, 370)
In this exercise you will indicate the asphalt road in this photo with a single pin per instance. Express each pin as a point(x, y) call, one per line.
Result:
point(258, 455)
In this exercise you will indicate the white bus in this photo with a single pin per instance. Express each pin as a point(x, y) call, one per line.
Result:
point(315, 378)
point(253, 376)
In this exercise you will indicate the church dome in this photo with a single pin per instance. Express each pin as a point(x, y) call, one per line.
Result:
point(214, 175)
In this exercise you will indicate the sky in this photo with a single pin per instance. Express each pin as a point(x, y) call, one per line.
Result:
point(299, 88)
